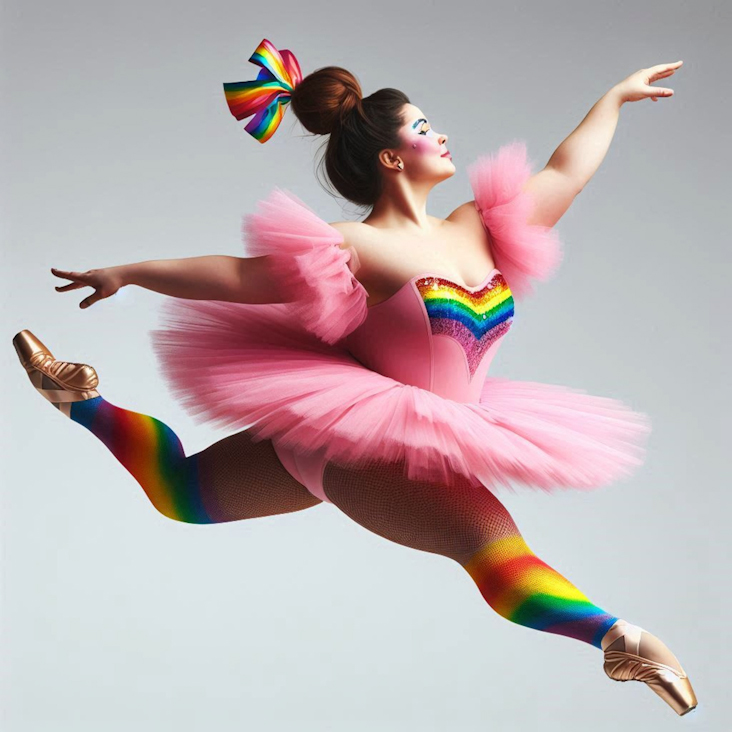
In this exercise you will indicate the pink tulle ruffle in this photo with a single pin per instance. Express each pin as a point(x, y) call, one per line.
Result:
point(522, 251)
point(309, 263)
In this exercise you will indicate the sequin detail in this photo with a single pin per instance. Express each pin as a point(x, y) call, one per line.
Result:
point(474, 319)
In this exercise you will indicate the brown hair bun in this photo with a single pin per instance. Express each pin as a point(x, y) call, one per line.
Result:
point(329, 102)
point(325, 97)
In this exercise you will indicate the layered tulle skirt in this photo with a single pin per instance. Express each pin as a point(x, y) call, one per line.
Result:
point(241, 366)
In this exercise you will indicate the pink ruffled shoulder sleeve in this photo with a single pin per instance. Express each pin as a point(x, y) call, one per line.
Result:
point(522, 251)
point(310, 265)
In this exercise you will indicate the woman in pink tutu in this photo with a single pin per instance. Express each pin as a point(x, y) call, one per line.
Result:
point(350, 359)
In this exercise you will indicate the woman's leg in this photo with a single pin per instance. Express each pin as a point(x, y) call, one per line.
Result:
point(471, 526)
point(232, 479)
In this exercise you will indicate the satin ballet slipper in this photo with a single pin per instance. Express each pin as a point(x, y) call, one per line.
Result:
point(60, 382)
point(670, 682)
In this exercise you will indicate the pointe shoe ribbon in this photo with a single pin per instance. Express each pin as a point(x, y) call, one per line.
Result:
point(671, 684)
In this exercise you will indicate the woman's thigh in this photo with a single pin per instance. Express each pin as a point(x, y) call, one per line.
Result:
point(454, 521)
point(240, 479)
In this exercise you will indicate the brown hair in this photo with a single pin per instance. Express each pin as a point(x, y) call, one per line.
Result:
point(329, 102)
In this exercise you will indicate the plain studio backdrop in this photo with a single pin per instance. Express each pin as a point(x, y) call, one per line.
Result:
point(117, 146)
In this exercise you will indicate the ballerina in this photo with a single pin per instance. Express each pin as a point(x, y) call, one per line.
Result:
point(352, 357)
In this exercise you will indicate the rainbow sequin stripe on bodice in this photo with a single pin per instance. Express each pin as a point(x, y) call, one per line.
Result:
point(474, 319)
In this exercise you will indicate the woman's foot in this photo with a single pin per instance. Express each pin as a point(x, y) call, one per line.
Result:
point(634, 654)
point(60, 382)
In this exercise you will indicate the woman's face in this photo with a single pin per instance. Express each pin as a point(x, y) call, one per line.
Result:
point(423, 149)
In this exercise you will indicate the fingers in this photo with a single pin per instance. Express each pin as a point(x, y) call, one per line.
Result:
point(70, 286)
point(663, 75)
point(658, 91)
point(660, 68)
point(75, 285)
point(661, 71)
point(65, 274)
point(89, 301)
point(68, 276)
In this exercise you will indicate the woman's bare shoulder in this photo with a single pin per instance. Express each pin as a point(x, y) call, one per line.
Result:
point(355, 234)
point(467, 215)
point(367, 246)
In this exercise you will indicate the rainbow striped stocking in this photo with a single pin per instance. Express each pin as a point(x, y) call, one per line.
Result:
point(527, 591)
point(151, 452)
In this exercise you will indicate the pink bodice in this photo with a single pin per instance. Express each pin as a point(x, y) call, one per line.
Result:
point(436, 334)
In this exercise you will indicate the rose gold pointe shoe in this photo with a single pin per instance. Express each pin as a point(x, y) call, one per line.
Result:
point(671, 684)
point(58, 381)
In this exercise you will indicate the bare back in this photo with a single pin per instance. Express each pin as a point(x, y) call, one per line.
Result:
point(458, 249)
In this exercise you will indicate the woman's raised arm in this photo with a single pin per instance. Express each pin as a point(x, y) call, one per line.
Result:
point(577, 159)
point(210, 277)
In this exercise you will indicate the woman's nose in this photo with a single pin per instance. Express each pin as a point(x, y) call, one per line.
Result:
point(443, 139)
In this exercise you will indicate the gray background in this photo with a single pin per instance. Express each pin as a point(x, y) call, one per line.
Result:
point(117, 146)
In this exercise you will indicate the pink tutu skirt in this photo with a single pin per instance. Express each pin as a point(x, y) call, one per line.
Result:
point(282, 371)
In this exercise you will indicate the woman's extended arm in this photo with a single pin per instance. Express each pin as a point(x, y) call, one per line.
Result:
point(210, 277)
point(574, 162)
point(579, 156)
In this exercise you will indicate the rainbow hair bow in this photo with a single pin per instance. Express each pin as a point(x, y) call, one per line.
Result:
point(267, 96)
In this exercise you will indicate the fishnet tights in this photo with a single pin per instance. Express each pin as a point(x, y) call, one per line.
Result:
point(235, 478)
point(241, 479)
point(238, 478)
point(454, 522)
point(471, 526)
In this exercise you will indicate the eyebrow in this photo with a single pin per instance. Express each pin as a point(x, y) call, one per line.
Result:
point(421, 119)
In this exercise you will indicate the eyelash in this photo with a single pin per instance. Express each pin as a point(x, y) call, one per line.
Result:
point(424, 132)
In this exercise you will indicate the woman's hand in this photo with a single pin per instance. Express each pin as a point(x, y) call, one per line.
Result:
point(638, 85)
point(104, 281)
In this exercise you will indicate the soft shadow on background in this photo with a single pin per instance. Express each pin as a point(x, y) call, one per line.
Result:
point(117, 146)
